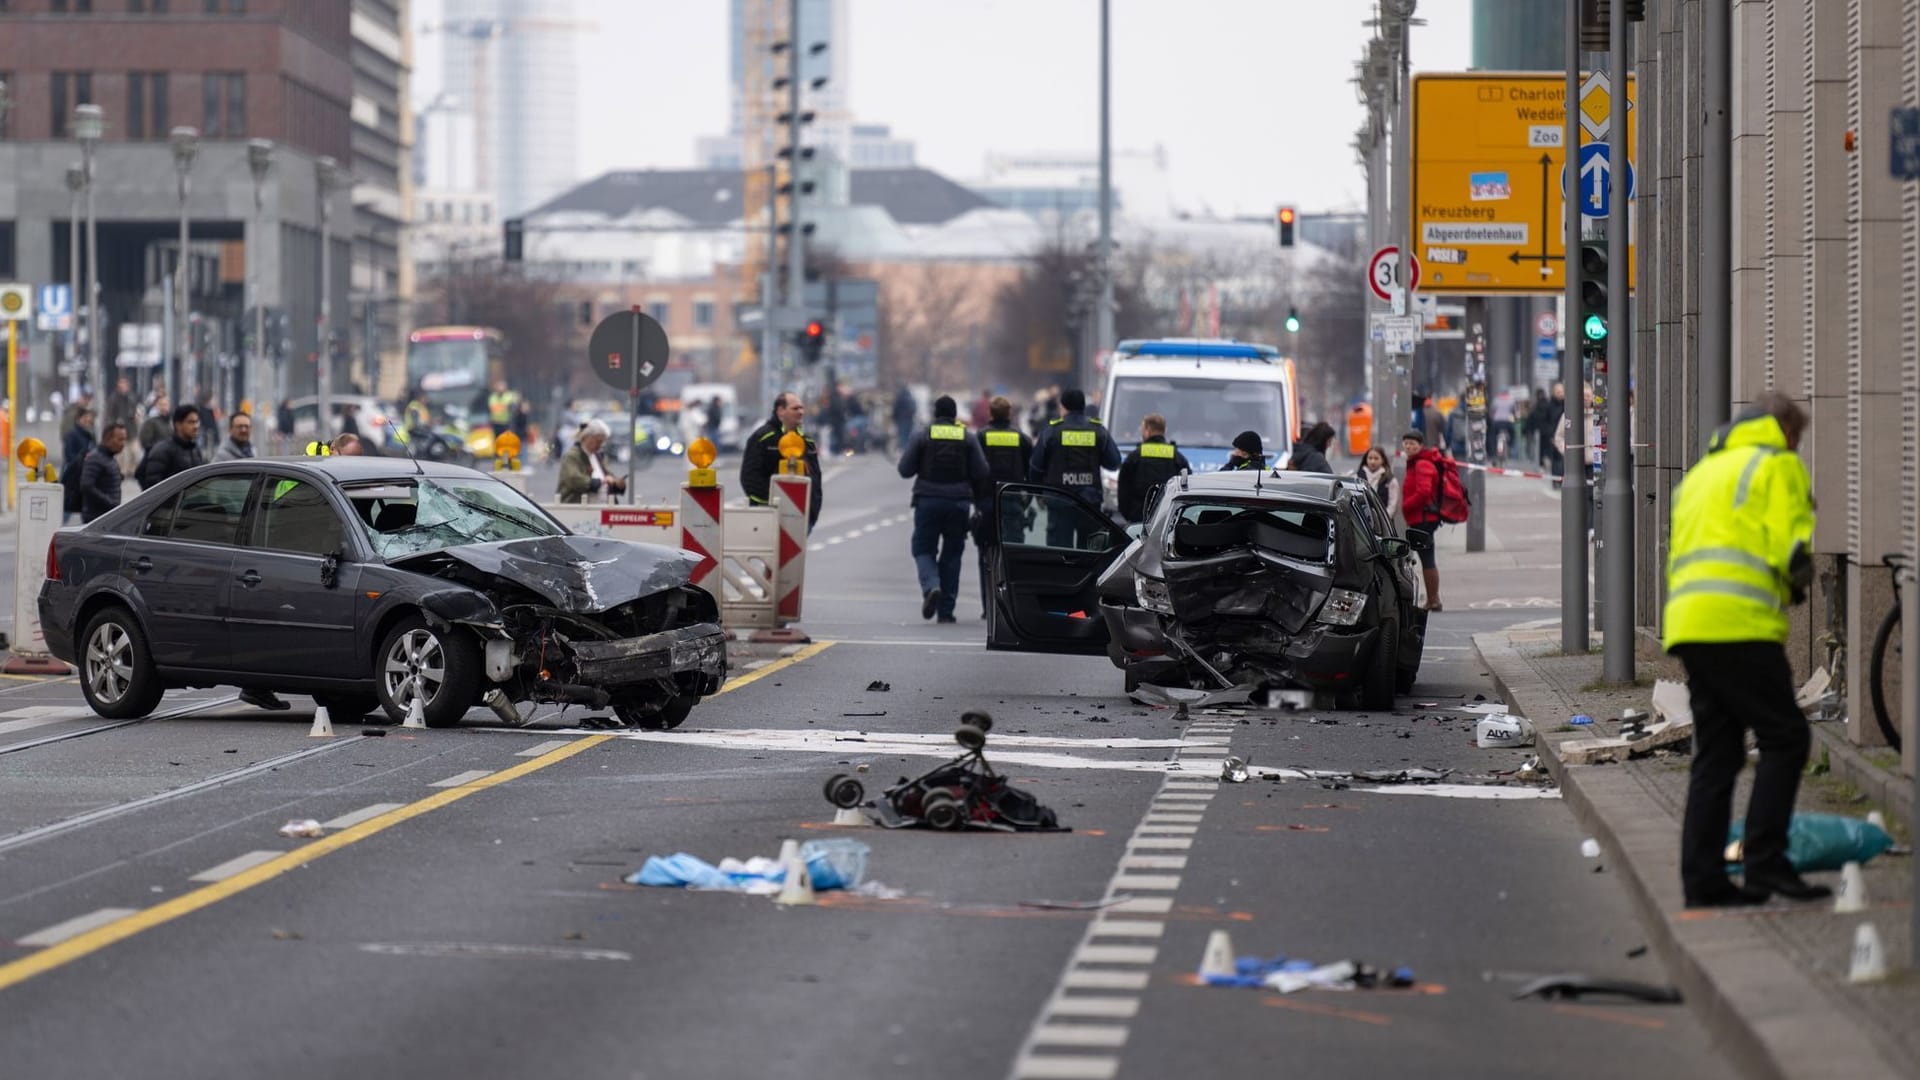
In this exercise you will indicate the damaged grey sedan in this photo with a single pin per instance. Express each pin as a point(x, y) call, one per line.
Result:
point(374, 584)
point(1236, 583)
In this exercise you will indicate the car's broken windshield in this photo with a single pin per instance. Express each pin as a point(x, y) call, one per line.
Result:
point(407, 517)
point(1203, 529)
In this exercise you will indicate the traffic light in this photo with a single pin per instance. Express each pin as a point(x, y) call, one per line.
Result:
point(1293, 321)
point(513, 232)
point(812, 340)
point(1593, 293)
point(1286, 226)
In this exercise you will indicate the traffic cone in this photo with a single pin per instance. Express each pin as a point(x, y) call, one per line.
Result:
point(1851, 897)
point(322, 724)
point(1869, 956)
point(1217, 961)
point(849, 816)
point(789, 851)
point(416, 714)
point(798, 888)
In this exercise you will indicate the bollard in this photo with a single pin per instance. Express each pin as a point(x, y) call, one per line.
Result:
point(41, 507)
point(792, 498)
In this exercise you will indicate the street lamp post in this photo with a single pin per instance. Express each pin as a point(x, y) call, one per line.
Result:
point(1103, 313)
point(89, 123)
point(259, 159)
point(186, 143)
point(76, 182)
point(326, 173)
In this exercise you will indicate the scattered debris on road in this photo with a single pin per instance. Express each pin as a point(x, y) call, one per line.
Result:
point(962, 793)
point(1077, 905)
point(830, 864)
point(302, 829)
point(1576, 986)
point(878, 687)
point(1503, 731)
point(1220, 967)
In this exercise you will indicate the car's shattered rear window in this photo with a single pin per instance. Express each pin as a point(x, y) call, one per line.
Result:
point(428, 513)
point(1202, 529)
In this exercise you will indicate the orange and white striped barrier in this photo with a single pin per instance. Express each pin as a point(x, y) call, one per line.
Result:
point(793, 497)
point(700, 531)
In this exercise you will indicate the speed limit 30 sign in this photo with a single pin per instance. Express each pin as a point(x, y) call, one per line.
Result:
point(1383, 272)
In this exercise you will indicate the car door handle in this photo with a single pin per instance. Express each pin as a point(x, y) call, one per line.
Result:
point(142, 564)
point(250, 578)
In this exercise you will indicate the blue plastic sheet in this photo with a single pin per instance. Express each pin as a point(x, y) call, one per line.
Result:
point(832, 864)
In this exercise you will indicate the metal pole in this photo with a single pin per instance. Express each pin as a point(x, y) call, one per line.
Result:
point(73, 276)
point(13, 408)
point(1715, 404)
point(769, 299)
point(1616, 523)
point(1479, 310)
point(96, 357)
point(633, 399)
point(255, 378)
point(796, 239)
point(183, 301)
point(324, 377)
point(1573, 486)
point(166, 333)
point(1103, 313)
point(1910, 708)
point(1402, 396)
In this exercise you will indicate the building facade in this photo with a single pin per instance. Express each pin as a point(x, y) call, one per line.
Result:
point(382, 190)
point(277, 70)
point(511, 65)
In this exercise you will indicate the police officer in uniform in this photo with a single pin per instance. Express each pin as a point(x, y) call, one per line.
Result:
point(1071, 455)
point(1152, 463)
point(946, 467)
point(760, 460)
point(1247, 453)
point(1739, 556)
point(1007, 449)
point(501, 404)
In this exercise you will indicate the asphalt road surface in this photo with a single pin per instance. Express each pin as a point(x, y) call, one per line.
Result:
point(465, 914)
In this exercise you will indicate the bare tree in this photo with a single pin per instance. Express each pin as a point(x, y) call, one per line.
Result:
point(530, 311)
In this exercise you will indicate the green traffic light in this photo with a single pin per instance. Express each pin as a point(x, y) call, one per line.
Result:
point(1596, 328)
point(1293, 322)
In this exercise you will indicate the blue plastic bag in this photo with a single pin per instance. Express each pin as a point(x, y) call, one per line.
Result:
point(1826, 841)
point(682, 870)
point(835, 864)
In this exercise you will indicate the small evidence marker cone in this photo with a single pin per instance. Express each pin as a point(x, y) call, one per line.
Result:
point(789, 851)
point(1869, 956)
point(416, 714)
point(798, 888)
point(1217, 961)
point(849, 816)
point(322, 724)
point(1851, 897)
point(1877, 820)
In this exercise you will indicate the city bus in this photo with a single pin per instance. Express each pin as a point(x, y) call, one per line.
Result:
point(453, 367)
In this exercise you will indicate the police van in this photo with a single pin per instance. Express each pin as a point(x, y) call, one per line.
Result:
point(1209, 390)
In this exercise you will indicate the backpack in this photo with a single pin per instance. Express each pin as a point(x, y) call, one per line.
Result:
point(1452, 504)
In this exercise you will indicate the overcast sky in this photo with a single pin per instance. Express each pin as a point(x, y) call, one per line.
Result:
point(1249, 98)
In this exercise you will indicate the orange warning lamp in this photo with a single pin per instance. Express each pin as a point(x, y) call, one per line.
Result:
point(792, 445)
point(506, 452)
point(701, 453)
point(30, 453)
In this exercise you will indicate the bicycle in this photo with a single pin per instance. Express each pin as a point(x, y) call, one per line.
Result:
point(1884, 665)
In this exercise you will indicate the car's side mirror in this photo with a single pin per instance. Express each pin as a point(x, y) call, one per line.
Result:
point(1136, 530)
point(1395, 548)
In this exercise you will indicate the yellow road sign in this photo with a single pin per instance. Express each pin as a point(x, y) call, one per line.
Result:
point(16, 302)
point(1487, 163)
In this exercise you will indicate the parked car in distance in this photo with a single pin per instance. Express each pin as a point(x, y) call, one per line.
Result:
point(373, 583)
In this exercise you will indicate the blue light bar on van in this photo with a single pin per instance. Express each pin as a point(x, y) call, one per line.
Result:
point(1229, 349)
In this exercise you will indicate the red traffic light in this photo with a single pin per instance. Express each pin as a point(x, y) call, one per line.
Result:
point(815, 329)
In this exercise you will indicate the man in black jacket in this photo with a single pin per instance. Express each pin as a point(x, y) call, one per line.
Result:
point(1154, 462)
point(760, 457)
point(946, 467)
point(175, 455)
point(75, 447)
point(100, 474)
point(1007, 450)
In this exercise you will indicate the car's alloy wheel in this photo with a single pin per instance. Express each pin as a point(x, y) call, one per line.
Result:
point(116, 672)
point(439, 669)
point(415, 669)
point(110, 662)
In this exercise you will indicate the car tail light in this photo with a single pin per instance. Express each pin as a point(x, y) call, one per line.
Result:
point(53, 559)
point(1343, 607)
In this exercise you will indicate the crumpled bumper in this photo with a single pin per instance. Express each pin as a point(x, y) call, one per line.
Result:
point(693, 657)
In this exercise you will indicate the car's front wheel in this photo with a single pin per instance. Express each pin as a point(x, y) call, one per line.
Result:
point(116, 670)
point(440, 670)
point(662, 717)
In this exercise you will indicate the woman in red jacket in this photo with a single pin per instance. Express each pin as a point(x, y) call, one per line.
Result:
point(1420, 500)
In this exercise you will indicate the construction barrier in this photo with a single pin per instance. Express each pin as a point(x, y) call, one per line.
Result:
point(646, 524)
point(749, 566)
point(41, 509)
point(793, 496)
point(701, 533)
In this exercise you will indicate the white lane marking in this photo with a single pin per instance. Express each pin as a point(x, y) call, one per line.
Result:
point(755, 664)
point(74, 927)
point(816, 547)
point(930, 643)
point(1044, 1067)
point(368, 813)
point(1162, 843)
point(1116, 954)
point(1117, 1008)
point(1184, 797)
point(1154, 862)
point(1207, 740)
point(233, 866)
point(1107, 980)
point(870, 529)
point(1155, 829)
point(1466, 791)
point(1155, 818)
point(458, 779)
point(1128, 928)
point(10, 726)
point(1169, 882)
point(547, 747)
point(1143, 905)
point(37, 711)
point(1080, 1035)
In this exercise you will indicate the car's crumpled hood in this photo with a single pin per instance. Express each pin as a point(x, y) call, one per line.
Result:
point(577, 574)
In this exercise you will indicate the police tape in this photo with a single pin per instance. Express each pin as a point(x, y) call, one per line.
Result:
point(1497, 470)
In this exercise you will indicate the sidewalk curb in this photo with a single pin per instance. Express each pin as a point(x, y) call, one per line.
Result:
point(1891, 791)
point(1768, 1016)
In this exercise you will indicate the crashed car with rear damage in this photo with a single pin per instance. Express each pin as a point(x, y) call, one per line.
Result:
point(1241, 582)
point(372, 583)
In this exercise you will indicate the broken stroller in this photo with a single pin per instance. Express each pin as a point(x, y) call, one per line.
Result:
point(963, 793)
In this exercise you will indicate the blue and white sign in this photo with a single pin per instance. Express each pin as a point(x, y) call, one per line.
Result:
point(55, 309)
point(1596, 168)
point(1544, 349)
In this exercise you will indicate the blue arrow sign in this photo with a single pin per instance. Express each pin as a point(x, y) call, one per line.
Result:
point(1596, 167)
point(1544, 349)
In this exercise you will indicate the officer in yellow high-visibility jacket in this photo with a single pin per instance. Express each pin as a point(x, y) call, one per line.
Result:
point(501, 404)
point(1739, 557)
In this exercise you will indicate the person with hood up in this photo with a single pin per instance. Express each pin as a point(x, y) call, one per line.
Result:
point(1247, 453)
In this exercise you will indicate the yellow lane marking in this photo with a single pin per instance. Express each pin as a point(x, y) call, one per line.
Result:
point(48, 679)
point(807, 653)
point(19, 971)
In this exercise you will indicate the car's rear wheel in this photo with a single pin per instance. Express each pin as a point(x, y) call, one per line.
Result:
point(1376, 691)
point(664, 717)
point(440, 670)
point(347, 706)
point(116, 670)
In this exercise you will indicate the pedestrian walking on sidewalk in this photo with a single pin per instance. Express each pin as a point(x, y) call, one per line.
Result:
point(100, 479)
point(1739, 556)
point(1420, 499)
point(946, 467)
point(1376, 470)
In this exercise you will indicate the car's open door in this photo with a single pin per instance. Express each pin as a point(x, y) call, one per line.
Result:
point(1050, 547)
